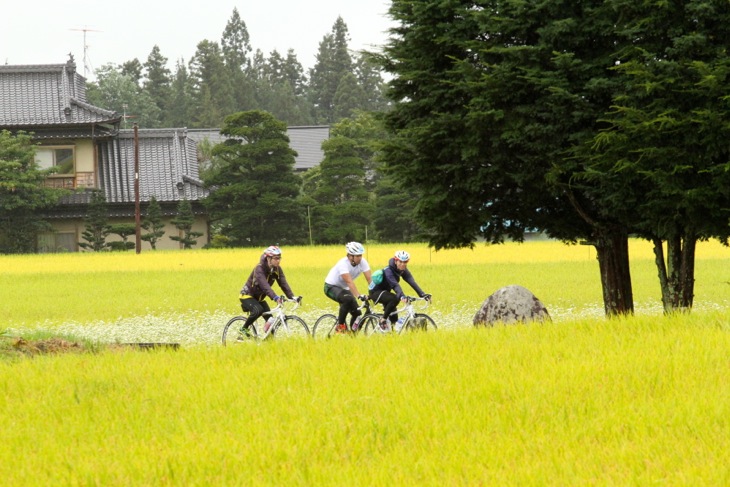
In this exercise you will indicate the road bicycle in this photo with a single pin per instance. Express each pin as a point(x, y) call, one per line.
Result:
point(368, 323)
point(411, 320)
point(284, 325)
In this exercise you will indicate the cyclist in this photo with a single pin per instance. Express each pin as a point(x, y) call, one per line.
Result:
point(258, 286)
point(388, 292)
point(339, 285)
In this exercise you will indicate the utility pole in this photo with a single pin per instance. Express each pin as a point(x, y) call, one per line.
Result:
point(137, 216)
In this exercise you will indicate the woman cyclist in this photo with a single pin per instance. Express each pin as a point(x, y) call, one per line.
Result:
point(389, 293)
point(339, 285)
point(258, 286)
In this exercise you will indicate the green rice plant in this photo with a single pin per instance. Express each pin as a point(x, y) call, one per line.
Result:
point(633, 401)
point(116, 291)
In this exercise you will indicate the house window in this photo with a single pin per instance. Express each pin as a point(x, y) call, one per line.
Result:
point(59, 157)
point(56, 242)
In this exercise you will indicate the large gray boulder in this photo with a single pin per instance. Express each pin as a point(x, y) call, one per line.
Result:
point(511, 304)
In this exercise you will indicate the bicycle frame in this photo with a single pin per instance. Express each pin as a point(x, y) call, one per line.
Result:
point(280, 314)
point(408, 313)
point(284, 323)
point(325, 324)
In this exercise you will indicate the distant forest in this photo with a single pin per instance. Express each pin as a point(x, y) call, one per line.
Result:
point(226, 77)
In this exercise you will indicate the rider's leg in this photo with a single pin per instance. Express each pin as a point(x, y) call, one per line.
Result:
point(348, 303)
point(254, 308)
point(389, 302)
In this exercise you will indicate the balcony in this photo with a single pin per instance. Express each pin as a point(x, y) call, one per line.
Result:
point(79, 180)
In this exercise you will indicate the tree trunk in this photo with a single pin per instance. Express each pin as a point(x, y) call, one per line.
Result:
point(612, 251)
point(677, 274)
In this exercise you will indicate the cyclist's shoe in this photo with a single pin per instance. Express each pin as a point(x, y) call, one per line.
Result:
point(384, 326)
point(341, 328)
point(245, 334)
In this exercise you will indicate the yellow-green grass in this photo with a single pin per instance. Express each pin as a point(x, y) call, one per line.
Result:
point(581, 400)
point(641, 401)
point(192, 290)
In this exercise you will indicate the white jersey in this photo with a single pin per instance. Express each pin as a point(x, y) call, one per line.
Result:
point(343, 266)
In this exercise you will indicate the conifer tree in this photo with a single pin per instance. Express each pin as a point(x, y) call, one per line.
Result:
point(184, 223)
point(153, 222)
point(97, 224)
point(124, 230)
point(22, 194)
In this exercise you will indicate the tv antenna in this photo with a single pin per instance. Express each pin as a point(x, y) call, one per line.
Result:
point(87, 63)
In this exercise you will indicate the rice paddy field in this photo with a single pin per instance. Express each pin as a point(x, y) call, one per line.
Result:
point(580, 400)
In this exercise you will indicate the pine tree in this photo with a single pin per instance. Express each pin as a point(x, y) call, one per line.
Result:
point(124, 230)
point(184, 223)
point(22, 194)
point(333, 63)
point(182, 102)
point(97, 226)
point(212, 85)
point(256, 187)
point(236, 48)
point(153, 222)
point(158, 80)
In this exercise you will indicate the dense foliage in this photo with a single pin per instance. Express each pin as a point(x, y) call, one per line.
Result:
point(227, 77)
point(523, 115)
point(23, 194)
point(254, 197)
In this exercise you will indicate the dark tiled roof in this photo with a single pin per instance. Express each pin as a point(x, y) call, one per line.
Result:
point(47, 95)
point(168, 166)
point(305, 140)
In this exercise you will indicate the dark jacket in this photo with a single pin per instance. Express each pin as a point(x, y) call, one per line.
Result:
point(391, 280)
point(262, 276)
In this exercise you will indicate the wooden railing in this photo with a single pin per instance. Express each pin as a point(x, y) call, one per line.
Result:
point(80, 180)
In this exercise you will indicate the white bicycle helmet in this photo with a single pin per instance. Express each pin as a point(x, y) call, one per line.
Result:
point(355, 248)
point(402, 255)
point(272, 251)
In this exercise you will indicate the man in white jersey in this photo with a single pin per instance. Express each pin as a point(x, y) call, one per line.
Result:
point(339, 285)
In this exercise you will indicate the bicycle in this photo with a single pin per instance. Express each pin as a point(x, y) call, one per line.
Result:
point(325, 326)
point(412, 320)
point(285, 324)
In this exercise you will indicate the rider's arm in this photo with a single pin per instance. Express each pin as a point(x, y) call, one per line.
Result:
point(408, 277)
point(368, 276)
point(350, 283)
point(393, 282)
point(284, 285)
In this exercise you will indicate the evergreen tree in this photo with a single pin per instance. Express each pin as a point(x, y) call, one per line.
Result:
point(343, 211)
point(97, 227)
point(479, 120)
point(180, 112)
point(236, 48)
point(154, 223)
point(333, 63)
point(116, 91)
point(184, 223)
point(282, 88)
point(124, 230)
point(254, 200)
point(661, 163)
point(133, 70)
point(212, 85)
point(22, 194)
point(370, 80)
point(158, 80)
point(349, 97)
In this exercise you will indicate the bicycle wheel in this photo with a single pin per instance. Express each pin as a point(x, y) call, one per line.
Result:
point(293, 327)
point(421, 322)
point(324, 327)
point(232, 334)
point(370, 324)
